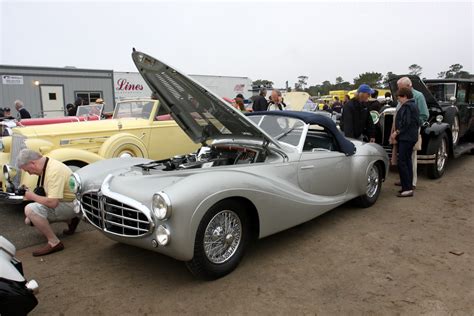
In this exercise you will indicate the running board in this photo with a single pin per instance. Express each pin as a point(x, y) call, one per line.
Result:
point(463, 148)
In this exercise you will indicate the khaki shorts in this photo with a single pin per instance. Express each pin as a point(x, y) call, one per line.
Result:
point(63, 212)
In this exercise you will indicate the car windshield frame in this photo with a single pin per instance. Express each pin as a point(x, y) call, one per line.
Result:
point(282, 128)
point(138, 109)
point(445, 93)
point(90, 110)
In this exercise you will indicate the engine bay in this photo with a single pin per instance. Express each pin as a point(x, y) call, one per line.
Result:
point(209, 156)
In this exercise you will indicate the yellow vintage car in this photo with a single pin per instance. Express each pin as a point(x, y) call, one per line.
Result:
point(137, 129)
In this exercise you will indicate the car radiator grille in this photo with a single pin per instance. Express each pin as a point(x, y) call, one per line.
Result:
point(18, 143)
point(114, 217)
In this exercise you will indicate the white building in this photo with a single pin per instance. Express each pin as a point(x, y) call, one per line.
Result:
point(131, 85)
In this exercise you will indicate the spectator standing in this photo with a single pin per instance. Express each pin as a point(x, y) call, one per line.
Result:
point(356, 119)
point(337, 106)
point(389, 100)
point(260, 103)
point(346, 99)
point(420, 102)
point(70, 109)
point(7, 113)
point(406, 133)
point(52, 199)
point(22, 112)
point(276, 101)
point(239, 102)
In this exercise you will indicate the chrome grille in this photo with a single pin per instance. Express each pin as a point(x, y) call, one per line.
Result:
point(113, 216)
point(18, 143)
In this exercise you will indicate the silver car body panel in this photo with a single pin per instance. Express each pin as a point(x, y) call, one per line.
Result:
point(284, 193)
point(289, 186)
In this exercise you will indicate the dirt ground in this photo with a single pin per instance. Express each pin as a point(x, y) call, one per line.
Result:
point(401, 256)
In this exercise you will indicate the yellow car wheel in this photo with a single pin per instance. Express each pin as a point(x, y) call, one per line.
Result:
point(123, 146)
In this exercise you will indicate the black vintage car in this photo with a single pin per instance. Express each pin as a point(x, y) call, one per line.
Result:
point(450, 128)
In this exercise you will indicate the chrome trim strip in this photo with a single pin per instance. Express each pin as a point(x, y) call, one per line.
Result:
point(422, 157)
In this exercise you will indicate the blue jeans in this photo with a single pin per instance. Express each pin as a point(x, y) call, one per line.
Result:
point(405, 165)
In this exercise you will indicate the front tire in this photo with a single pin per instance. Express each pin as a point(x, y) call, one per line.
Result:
point(440, 147)
point(221, 240)
point(374, 186)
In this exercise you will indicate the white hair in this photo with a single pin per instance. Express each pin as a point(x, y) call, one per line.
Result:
point(405, 82)
point(19, 102)
point(27, 155)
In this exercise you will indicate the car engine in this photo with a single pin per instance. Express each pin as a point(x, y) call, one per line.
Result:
point(206, 157)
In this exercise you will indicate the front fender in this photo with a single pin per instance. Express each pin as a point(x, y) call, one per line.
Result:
point(436, 129)
point(69, 154)
point(40, 145)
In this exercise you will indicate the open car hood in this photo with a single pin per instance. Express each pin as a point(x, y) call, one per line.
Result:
point(417, 85)
point(201, 114)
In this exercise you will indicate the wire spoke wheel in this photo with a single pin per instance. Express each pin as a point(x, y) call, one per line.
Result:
point(222, 236)
point(373, 181)
point(455, 130)
point(442, 155)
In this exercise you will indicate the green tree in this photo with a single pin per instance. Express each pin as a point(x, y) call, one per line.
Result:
point(387, 77)
point(302, 81)
point(262, 83)
point(455, 71)
point(373, 79)
point(415, 70)
point(341, 84)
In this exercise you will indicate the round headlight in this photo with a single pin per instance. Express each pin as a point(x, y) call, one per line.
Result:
point(9, 172)
point(439, 118)
point(161, 206)
point(75, 183)
point(162, 235)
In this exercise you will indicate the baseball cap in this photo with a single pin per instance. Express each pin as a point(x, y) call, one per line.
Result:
point(365, 88)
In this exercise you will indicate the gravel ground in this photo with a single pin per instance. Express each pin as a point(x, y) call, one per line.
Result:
point(402, 256)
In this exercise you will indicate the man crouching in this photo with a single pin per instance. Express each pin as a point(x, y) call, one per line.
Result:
point(52, 198)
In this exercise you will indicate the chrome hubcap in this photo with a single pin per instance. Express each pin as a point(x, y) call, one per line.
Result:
point(442, 155)
point(126, 155)
point(372, 182)
point(455, 130)
point(222, 236)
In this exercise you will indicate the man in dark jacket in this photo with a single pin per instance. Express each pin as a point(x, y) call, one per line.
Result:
point(22, 112)
point(260, 103)
point(356, 120)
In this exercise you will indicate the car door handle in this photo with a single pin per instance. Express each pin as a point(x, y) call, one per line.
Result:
point(307, 167)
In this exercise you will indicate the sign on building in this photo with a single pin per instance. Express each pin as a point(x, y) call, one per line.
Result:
point(8, 79)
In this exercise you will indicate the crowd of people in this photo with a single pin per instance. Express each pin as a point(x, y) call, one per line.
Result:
point(357, 123)
point(22, 112)
point(412, 113)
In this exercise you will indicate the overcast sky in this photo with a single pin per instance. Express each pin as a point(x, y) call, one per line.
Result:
point(270, 40)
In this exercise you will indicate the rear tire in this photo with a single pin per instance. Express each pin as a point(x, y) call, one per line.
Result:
point(374, 186)
point(221, 240)
point(440, 147)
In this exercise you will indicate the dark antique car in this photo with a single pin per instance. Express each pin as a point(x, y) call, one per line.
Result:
point(449, 131)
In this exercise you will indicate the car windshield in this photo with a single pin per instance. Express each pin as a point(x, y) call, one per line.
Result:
point(284, 129)
point(442, 92)
point(90, 110)
point(133, 109)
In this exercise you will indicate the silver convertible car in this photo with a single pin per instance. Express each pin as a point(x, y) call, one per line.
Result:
point(254, 176)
